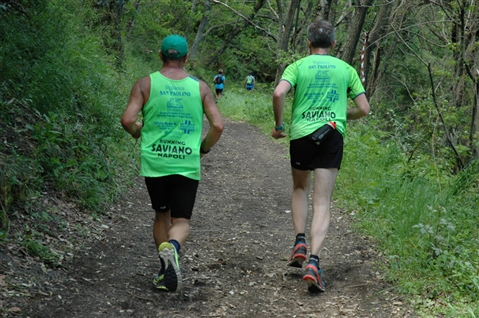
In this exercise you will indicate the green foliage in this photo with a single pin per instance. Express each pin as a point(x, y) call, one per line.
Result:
point(60, 103)
point(250, 106)
point(467, 182)
point(418, 131)
point(35, 238)
point(154, 20)
point(423, 224)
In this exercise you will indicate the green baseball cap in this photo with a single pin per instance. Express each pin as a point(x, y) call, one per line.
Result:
point(174, 42)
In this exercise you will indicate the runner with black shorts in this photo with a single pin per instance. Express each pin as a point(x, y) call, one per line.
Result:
point(171, 149)
point(219, 81)
point(318, 125)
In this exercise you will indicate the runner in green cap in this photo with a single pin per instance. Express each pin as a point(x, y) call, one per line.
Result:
point(173, 104)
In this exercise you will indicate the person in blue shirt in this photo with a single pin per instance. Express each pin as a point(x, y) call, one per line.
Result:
point(219, 81)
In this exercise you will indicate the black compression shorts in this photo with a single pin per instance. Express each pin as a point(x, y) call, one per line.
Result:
point(175, 193)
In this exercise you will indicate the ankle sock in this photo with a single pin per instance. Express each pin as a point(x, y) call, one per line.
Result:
point(314, 259)
point(176, 244)
point(300, 238)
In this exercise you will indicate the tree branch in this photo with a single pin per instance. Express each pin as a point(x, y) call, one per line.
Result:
point(442, 118)
point(247, 20)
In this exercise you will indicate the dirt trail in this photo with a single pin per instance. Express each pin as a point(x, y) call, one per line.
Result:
point(234, 261)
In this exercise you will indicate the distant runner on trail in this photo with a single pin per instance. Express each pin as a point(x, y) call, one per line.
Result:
point(249, 82)
point(219, 81)
point(173, 103)
point(318, 125)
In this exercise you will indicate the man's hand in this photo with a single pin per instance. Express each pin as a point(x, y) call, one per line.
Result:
point(277, 134)
point(137, 130)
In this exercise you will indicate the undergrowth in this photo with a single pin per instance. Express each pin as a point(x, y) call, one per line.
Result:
point(425, 226)
point(60, 130)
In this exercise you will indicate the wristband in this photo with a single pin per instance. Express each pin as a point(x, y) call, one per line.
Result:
point(279, 128)
point(204, 152)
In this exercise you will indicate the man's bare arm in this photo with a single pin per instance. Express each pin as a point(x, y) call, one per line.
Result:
point(135, 104)
point(279, 100)
point(362, 108)
point(214, 118)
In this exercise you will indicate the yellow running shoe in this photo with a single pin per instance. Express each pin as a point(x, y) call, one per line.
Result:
point(172, 278)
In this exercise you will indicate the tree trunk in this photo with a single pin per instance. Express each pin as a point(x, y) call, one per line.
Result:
point(323, 9)
point(131, 22)
point(201, 28)
point(373, 46)
point(284, 30)
point(354, 32)
point(465, 36)
point(458, 37)
point(475, 123)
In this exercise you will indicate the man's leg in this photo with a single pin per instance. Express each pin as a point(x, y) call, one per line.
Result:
point(179, 230)
point(177, 235)
point(299, 206)
point(161, 227)
point(324, 180)
point(182, 198)
point(165, 228)
point(299, 199)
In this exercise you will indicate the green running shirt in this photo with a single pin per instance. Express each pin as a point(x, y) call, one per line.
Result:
point(172, 128)
point(322, 85)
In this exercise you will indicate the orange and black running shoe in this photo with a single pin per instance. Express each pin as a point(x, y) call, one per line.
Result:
point(298, 255)
point(312, 276)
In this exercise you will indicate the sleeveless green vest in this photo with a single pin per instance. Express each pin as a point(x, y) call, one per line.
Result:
point(172, 128)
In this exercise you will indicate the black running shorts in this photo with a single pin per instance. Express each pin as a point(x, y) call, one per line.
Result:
point(175, 193)
point(306, 155)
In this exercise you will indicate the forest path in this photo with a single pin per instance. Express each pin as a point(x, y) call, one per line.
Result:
point(233, 263)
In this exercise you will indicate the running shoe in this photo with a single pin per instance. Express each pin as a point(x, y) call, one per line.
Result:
point(159, 282)
point(298, 255)
point(169, 256)
point(312, 276)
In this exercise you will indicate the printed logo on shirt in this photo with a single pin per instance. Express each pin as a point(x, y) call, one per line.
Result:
point(174, 103)
point(187, 127)
point(318, 113)
point(322, 76)
point(333, 96)
point(171, 149)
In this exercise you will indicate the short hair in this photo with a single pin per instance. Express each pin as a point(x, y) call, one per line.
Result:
point(220, 71)
point(169, 55)
point(174, 46)
point(321, 34)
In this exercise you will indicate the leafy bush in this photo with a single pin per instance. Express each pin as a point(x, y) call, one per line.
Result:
point(424, 224)
point(61, 124)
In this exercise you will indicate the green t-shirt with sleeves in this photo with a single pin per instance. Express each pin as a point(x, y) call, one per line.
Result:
point(172, 128)
point(323, 84)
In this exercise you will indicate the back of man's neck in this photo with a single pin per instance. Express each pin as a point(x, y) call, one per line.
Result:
point(320, 51)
